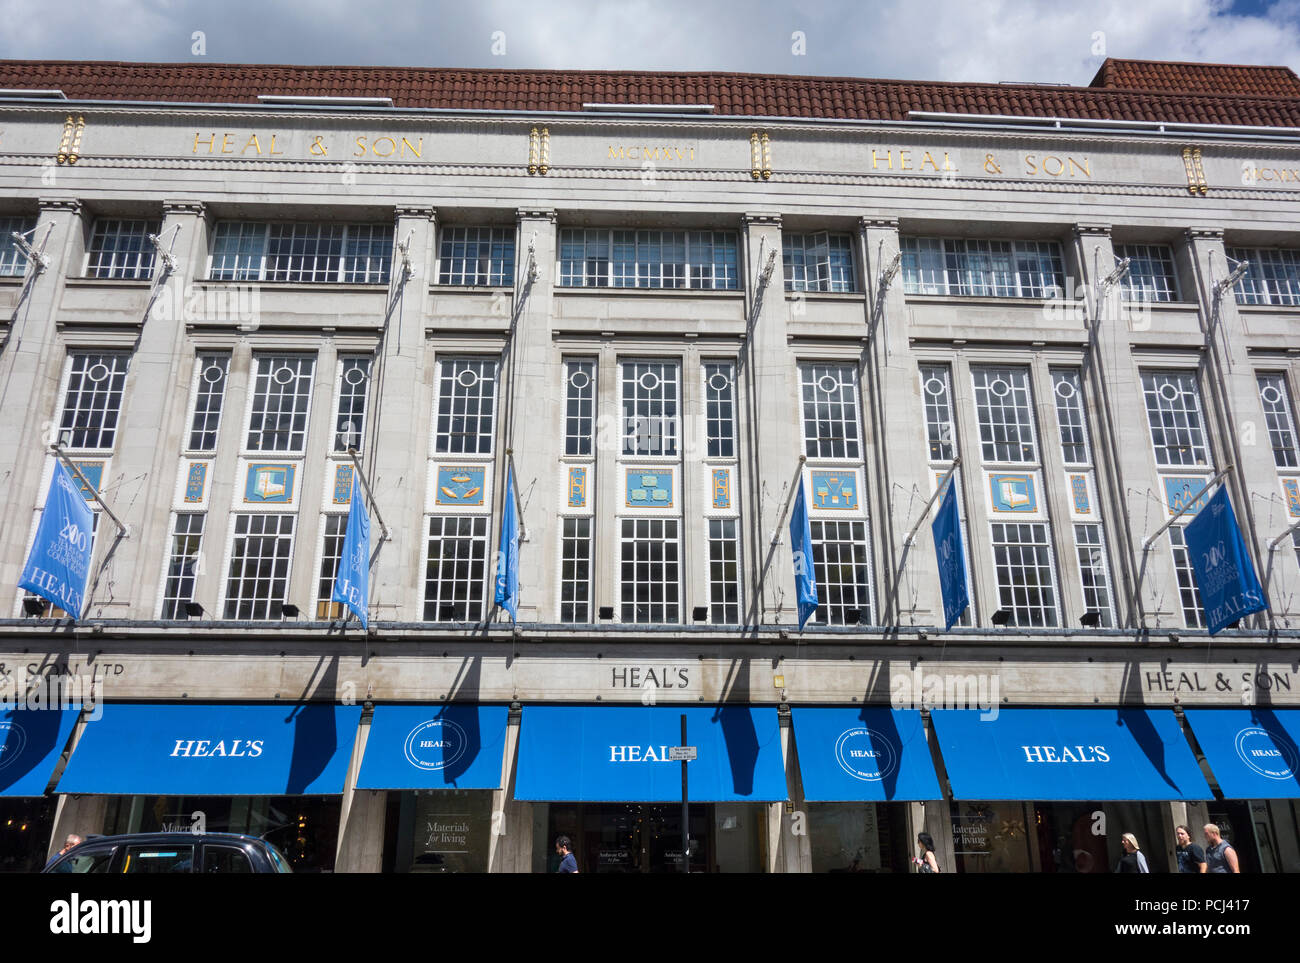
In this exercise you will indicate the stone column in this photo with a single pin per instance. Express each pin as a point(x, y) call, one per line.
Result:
point(1232, 394)
point(361, 818)
point(510, 845)
point(1121, 443)
point(155, 405)
point(398, 453)
point(31, 368)
point(83, 815)
point(534, 425)
point(898, 468)
point(770, 441)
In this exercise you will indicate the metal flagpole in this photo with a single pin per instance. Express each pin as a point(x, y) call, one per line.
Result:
point(1147, 545)
point(123, 532)
point(365, 484)
point(933, 498)
point(686, 810)
point(519, 506)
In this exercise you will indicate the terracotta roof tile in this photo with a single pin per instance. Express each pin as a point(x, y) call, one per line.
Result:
point(1122, 90)
point(1226, 79)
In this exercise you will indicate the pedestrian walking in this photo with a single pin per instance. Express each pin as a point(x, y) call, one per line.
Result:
point(568, 864)
point(1133, 860)
point(1220, 857)
point(926, 863)
point(1191, 858)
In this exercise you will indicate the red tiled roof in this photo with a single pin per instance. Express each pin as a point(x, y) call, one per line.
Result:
point(1227, 79)
point(730, 93)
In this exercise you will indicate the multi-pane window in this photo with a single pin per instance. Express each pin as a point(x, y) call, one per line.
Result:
point(979, 268)
point(281, 399)
point(1276, 400)
point(830, 410)
point(92, 401)
point(121, 249)
point(455, 575)
point(1090, 544)
point(465, 420)
point(211, 371)
point(842, 568)
point(1070, 418)
point(648, 259)
point(936, 394)
point(817, 262)
point(650, 404)
point(1272, 278)
point(12, 262)
point(307, 252)
point(1174, 413)
point(579, 407)
point(1004, 406)
point(724, 572)
point(1188, 595)
point(1022, 557)
point(1150, 272)
point(650, 570)
point(483, 256)
point(182, 564)
point(333, 532)
point(260, 555)
point(575, 570)
point(350, 417)
point(720, 408)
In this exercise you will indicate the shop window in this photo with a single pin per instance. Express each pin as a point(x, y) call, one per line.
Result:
point(277, 421)
point(594, 257)
point(650, 570)
point(209, 392)
point(480, 256)
point(12, 262)
point(456, 568)
point(260, 555)
point(842, 567)
point(817, 262)
point(121, 249)
point(92, 399)
point(341, 253)
point(1173, 404)
point(830, 410)
point(1150, 272)
point(182, 564)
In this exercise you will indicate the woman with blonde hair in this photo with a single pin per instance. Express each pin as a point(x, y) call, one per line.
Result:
point(1133, 861)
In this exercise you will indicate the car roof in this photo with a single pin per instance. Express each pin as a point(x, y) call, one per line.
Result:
point(172, 837)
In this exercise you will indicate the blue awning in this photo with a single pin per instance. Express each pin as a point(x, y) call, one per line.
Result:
point(1252, 752)
point(214, 750)
point(619, 754)
point(875, 754)
point(434, 747)
point(1068, 754)
point(31, 741)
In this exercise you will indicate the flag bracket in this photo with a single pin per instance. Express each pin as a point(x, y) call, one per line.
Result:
point(780, 522)
point(365, 484)
point(122, 530)
point(911, 536)
point(519, 506)
point(1146, 545)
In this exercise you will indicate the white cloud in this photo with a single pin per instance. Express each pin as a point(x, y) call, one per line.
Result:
point(940, 40)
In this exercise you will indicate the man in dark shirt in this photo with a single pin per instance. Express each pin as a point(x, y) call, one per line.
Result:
point(567, 863)
point(1191, 858)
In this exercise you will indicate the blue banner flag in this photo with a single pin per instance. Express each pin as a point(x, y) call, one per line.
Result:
point(352, 583)
point(952, 558)
point(59, 564)
point(805, 579)
point(1224, 573)
point(507, 571)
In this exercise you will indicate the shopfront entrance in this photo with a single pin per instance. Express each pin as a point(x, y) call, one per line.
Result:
point(632, 837)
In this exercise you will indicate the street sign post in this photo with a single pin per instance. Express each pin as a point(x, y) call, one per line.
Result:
point(676, 752)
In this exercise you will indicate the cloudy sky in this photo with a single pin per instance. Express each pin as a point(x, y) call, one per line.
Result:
point(978, 40)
